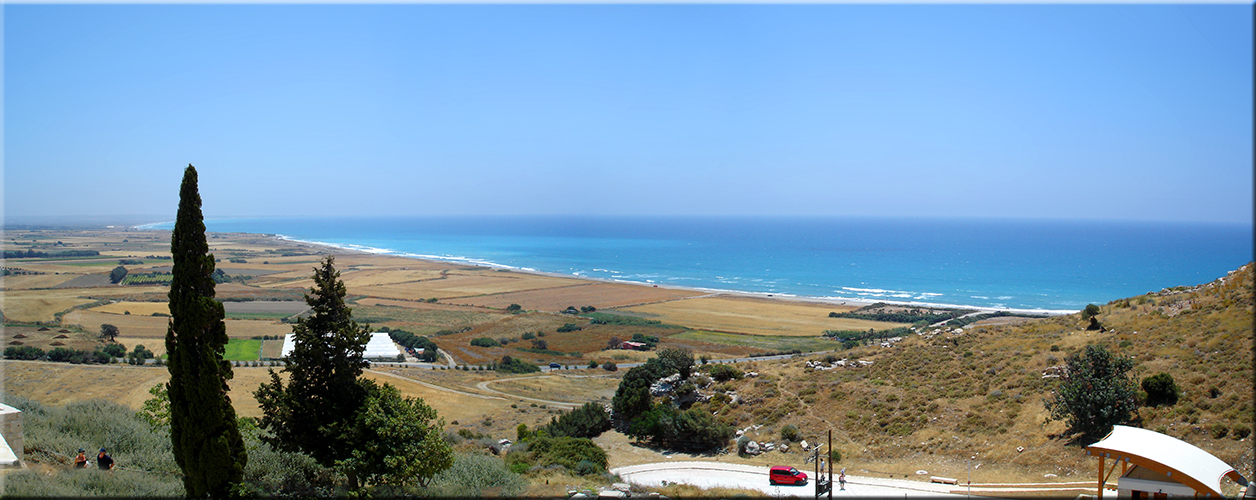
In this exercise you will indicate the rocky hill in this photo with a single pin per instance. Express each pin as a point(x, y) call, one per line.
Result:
point(934, 400)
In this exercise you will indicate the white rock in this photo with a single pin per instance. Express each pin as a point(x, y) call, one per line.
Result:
point(804, 445)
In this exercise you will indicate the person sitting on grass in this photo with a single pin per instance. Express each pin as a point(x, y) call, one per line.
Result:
point(80, 461)
point(105, 462)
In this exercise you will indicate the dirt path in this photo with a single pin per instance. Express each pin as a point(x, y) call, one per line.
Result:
point(484, 387)
point(437, 387)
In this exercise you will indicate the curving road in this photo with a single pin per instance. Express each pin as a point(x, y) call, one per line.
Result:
point(724, 475)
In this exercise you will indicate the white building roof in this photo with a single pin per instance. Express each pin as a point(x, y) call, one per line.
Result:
point(380, 346)
point(1181, 461)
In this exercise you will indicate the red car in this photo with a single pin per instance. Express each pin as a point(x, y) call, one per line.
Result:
point(786, 475)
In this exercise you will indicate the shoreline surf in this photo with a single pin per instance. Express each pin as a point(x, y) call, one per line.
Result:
point(832, 300)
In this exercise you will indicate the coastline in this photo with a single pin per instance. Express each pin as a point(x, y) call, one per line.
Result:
point(836, 301)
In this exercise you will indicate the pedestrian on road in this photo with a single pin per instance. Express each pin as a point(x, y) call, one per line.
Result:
point(841, 479)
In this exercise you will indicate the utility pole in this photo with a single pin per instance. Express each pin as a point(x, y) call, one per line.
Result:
point(830, 464)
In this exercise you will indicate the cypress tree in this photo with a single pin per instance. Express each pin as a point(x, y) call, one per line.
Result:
point(207, 443)
point(316, 412)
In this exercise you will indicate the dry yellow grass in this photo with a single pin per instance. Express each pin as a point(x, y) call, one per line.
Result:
point(755, 316)
point(25, 282)
point(61, 383)
point(135, 308)
point(41, 305)
point(599, 295)
point(559, 387)
point(387, 276)
point(151, 330)
point(459, 285)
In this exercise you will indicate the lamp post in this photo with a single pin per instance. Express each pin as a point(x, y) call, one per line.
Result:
point(970, 474)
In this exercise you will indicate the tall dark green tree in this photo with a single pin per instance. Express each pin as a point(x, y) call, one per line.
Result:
point(1096, 393)
point(314, 413)
point(207, 443)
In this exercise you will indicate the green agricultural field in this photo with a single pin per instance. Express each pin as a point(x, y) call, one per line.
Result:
point(147, 279)
point(243, 350)
point(771, 343)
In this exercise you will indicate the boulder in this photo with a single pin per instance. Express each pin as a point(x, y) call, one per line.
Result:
point(769, 446)
point(784, 448)
point(740, 432)
point(752, 448)
point(804, 445)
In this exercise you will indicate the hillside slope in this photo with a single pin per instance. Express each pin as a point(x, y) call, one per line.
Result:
point(933, 401)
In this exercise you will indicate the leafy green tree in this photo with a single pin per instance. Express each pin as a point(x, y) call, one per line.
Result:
point(679, 360)
point(1161, 389)
point(316, 411)
point(395, 441)
point(117, 274)
point(691, 430)
point(108, 331)
point(1090, 311)
point(206, 440)
point(632, 397)
point(156, 410)
point(1096, 392)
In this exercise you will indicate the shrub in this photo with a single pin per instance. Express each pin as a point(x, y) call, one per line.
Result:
point(568, 327)
point(515, 365)
point(724, 373)
point(471, 474)
point(692, 430)
point(484, 342)
point(589, 420)
point(789, 433)
point(564, 451)
point(1161, 390)
point(592, 363)
point(528, 336)
point(1218, 430)
point(609, 366)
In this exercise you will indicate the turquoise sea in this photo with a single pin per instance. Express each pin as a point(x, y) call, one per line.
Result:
point(1043, 265)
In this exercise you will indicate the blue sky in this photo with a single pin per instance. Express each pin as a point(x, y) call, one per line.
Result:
point(1043, 111)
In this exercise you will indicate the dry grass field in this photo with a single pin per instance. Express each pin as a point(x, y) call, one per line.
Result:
point(43, 305)
point(134, 308)
point(755, 316)
point(461, 285)
point(599, 295)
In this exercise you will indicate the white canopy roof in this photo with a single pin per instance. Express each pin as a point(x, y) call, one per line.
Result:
point(380, 346)
point(1181, 461)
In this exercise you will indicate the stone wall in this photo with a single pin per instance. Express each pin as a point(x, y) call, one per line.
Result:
point(11, 429)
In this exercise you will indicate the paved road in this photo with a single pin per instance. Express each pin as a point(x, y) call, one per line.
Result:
point(724, 475)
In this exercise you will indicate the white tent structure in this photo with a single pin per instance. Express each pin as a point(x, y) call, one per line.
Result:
point(1155, 465)
point(381, 346)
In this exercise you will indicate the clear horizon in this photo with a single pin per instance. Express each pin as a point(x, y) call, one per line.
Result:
point(1100, 112)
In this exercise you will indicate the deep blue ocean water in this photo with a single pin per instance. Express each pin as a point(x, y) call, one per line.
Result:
point(1014, 264)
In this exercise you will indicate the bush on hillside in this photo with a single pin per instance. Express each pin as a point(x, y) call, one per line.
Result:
point(516, 365)
point(590, 421)
point(1161, 390)
point(692, 430)
point(568, 452)
point(724, 373)
point(471, 475)
point(484, 342)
